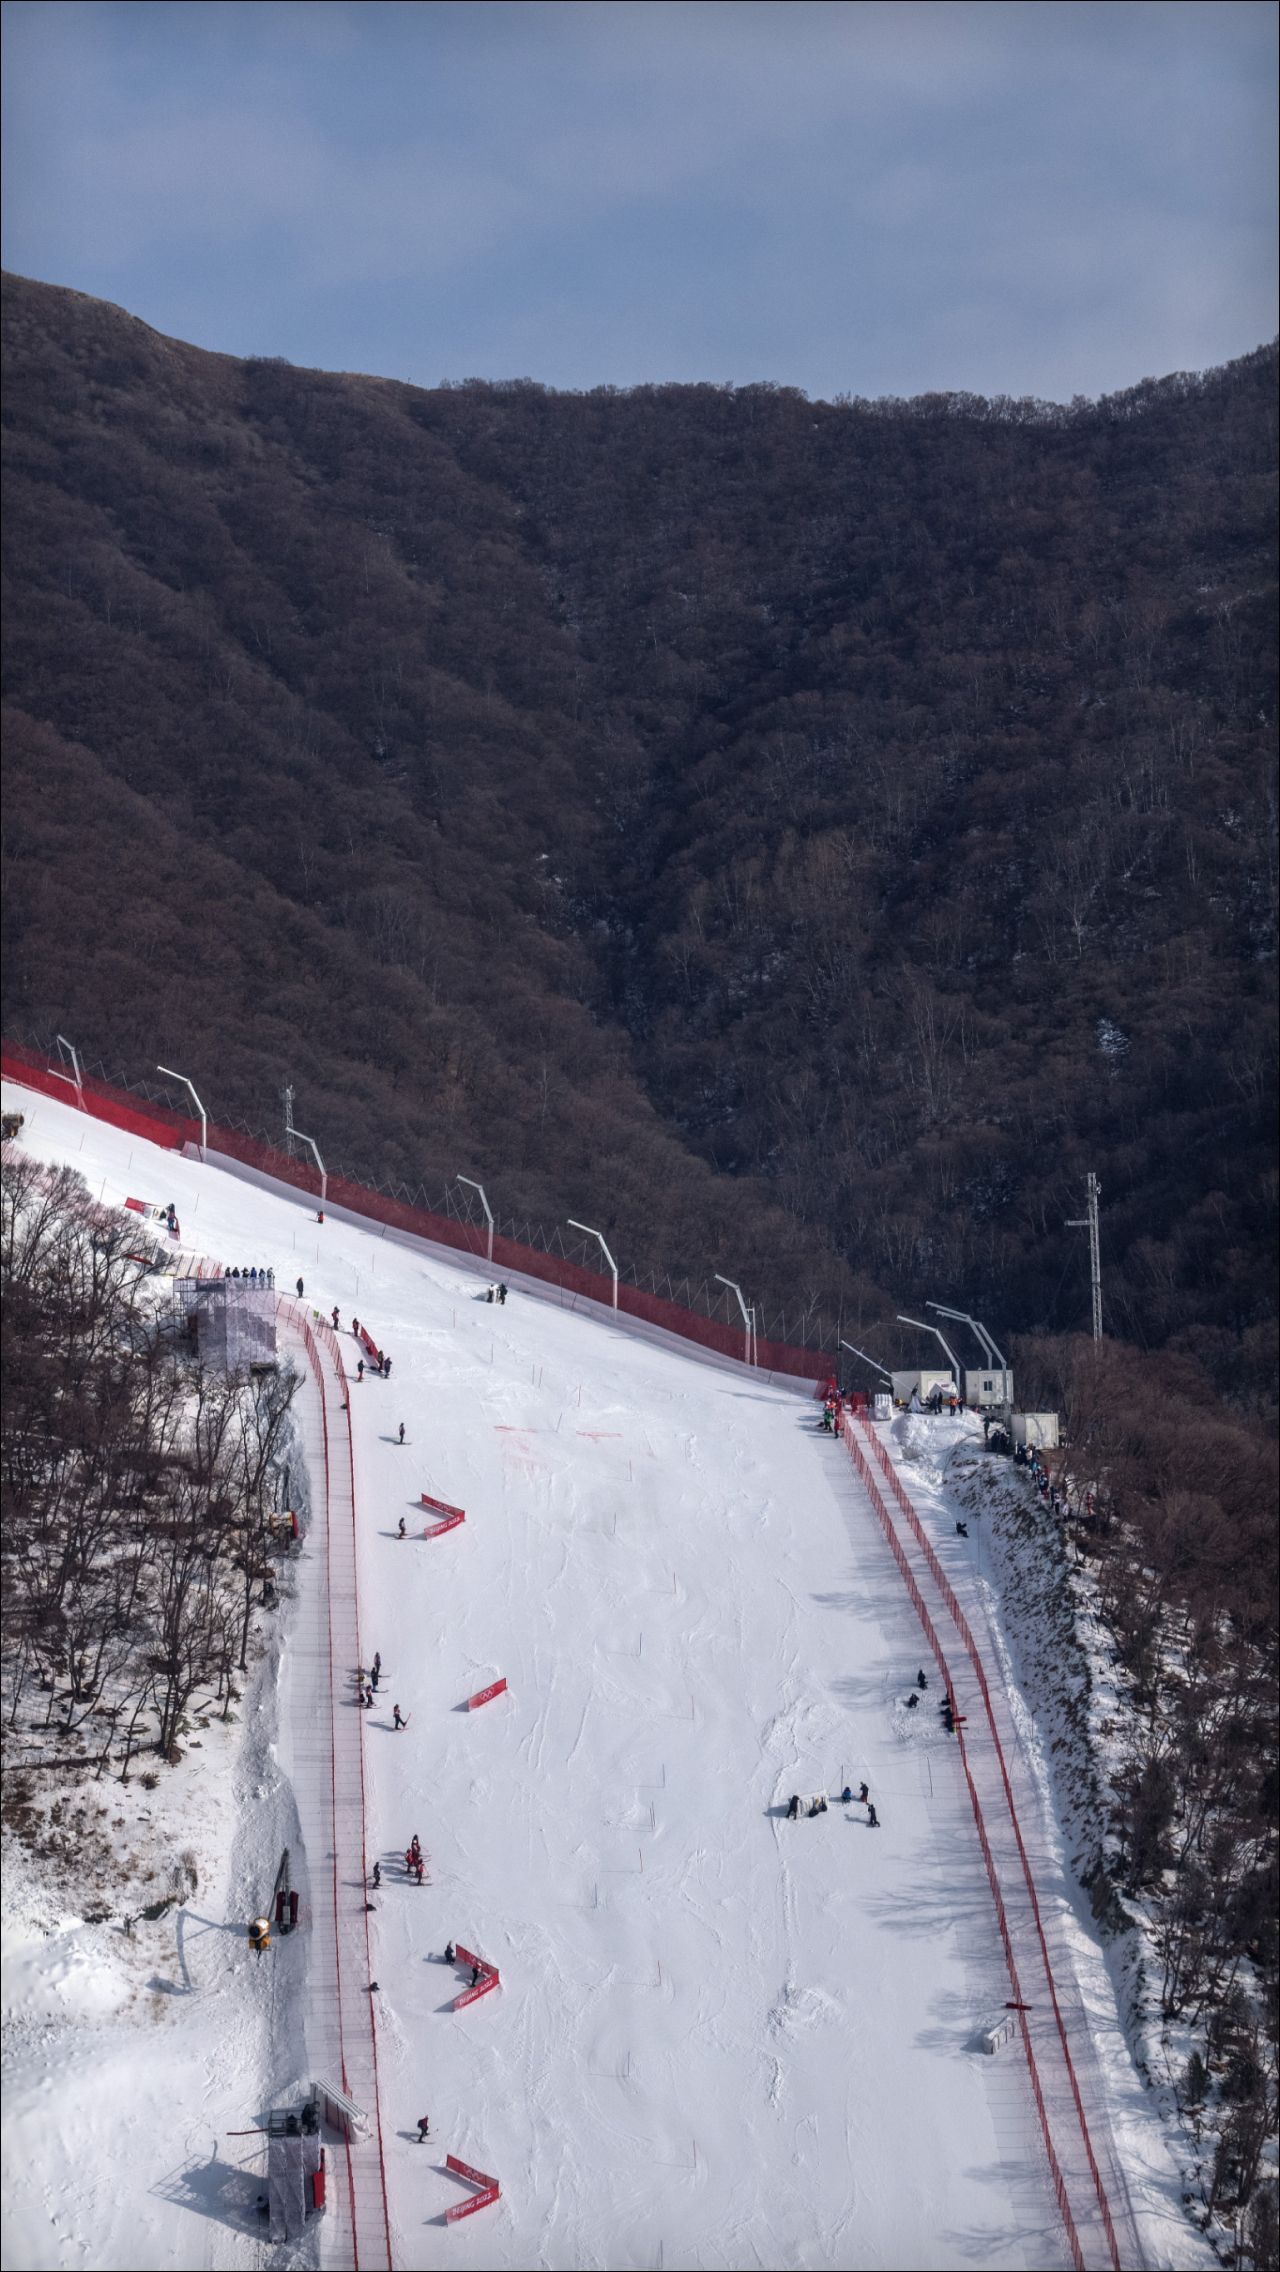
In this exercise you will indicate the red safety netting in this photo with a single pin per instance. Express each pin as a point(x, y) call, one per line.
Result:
point(173, 1130)
point(342, 2027)
point(1077, 2180)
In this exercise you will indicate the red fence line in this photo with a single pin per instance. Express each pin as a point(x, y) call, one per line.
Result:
point(315, 1334)
point(894, 1543)
point(160, 1125)
point(963, 1628)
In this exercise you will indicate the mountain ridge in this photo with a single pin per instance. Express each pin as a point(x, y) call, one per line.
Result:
point(804, 835)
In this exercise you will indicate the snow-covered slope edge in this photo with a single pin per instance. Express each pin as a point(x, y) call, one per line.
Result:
point(1041, 1614)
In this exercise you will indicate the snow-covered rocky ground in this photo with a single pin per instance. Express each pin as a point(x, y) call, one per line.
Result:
point(722, 2038)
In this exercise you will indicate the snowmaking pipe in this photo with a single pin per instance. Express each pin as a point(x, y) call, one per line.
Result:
point(868, 1361)
point(599, 1238)
point(488, 1215)
point(925, 1327)
point(748, 1316)
point(301, 1139)
point(170, 1075)
point(977, 1327)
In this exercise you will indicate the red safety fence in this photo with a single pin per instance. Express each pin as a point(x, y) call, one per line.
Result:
point(1079, 2189)
point(172, 1129)
point(342, 1980)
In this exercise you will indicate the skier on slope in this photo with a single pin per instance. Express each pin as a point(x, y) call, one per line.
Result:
point(398, 1719)
point(402, 1431)
point(793, 1811)
point(401, 1533)
point(424, 2129)
point(377, 1873)
point(301, 1289)
point(862, 1794)
point(873, 1819)
point(922, 1680)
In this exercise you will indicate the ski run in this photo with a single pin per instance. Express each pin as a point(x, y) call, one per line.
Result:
point(718, 2036)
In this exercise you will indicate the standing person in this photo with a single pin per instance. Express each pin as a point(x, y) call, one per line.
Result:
point(401, 1533)
point(301, 1289)
point(386, 1368)
point(424, 2129)
point(377, 1873)
point(873, 1819)
point(922, 1678)
point(355, 1327)
point(368, 1698)
point(335, 1317)
point(475, 1975)
point(862, 1794)
point(402, 1431)
point(793, 1811)
point(418, 1869)
point(502, 1296)
point(271, 1279)
point(449, 1956)
point(398, 1719)
point(377, 1661)
point(374, 1678)
point(319, 1214)
point(360, 1368)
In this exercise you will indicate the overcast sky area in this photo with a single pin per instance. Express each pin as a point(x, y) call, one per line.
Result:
point(851, 198)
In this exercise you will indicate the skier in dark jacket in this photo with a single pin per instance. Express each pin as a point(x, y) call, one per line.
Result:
point(386, 1368)
point(922, 1678)
point(377, 1873)
point(398, 1719)
point(401, 1533)
point(793, 1811)
point(301, 1289)
point(873, 1819)
point(862, 1794)
point(402, 1431)
point(475, 1975)
point(424, 2129)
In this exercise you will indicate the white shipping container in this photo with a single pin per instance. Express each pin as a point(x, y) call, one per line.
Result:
point(1037, 1431)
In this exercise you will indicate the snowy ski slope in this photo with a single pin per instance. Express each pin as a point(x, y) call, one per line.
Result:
point(721, 2038)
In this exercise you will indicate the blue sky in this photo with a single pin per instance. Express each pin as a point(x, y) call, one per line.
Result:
point(864, 198)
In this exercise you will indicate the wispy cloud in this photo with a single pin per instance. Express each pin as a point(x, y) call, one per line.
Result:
point(1019, 197)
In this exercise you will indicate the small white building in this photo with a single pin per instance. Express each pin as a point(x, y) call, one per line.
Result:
point(1035, 1431)
point(922, 1384)
point(987, 1390)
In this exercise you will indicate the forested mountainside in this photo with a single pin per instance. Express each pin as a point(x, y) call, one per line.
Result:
point(800, 837)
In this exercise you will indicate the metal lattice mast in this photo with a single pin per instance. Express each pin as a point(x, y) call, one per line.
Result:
point(1089, 1222)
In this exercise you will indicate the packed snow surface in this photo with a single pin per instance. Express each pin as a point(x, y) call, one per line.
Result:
point(722, 2038)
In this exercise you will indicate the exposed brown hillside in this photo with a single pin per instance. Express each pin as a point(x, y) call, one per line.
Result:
point(800, 837)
